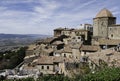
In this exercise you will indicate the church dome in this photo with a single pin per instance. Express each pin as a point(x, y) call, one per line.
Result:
point(104, 13)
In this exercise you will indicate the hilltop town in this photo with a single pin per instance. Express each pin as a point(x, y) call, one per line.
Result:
point(69, 48)
point(94, 44)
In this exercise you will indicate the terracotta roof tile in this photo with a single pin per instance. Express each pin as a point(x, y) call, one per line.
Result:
point(51, 60)
point(67, 48)
point(57, 43)
point(89, 48)
point(109, 41)
point(31, 47)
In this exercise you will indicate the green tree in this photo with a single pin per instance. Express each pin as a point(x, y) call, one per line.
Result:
point(107, 74)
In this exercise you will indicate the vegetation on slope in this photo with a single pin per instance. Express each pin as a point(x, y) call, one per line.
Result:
point(10, 59)
point(107, 74)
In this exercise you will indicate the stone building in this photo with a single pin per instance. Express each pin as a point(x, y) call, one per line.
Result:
point(114, 32)
point(67, 51)
point(74, 33)
point(87, 49)
point(59, 54)
point(80, 33)
point(62, 31)
point(30, 50)
point(101, 23)
point(88, 27)
point(105, 28)
point(58, 31)
point(51, 64)
point(57, 45)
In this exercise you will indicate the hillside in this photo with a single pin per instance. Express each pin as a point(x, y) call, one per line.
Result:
point(8, 41)
point(13, 36)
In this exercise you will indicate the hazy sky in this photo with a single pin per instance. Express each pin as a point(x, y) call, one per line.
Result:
point(42, 16)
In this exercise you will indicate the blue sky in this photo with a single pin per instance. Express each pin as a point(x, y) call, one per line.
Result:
point(42, 16)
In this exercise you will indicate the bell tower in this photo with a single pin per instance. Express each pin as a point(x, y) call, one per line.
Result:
point(101, 22)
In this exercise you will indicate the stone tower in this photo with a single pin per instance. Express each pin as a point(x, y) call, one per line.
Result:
point(101, 22)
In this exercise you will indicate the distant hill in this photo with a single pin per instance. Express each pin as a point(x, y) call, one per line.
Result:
point(19, 39)
point(9, 36)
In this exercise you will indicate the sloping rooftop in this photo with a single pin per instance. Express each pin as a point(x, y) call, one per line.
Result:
point(51, 60)
point(109, 41)
point(104, 13)
point(60, 29)
point(31, 47)
point(58, 51)
point(65, 29)
point(45, 60)
point(89, 48)
point(80, 30)
point(57, 42)
point(107, 56)
point(67, 48)
point(46, 40)
point(76, 45)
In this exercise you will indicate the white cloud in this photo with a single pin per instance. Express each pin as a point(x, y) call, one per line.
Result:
point(115, 10)
point(82, 5)
point(49, 14)
point(16, 1)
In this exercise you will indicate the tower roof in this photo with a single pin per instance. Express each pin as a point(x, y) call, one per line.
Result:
point(104, 13)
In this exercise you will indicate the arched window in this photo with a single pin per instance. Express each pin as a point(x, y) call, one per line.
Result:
point(42, 67)
point(111, 35)
point(64, 55)
point(47, 67)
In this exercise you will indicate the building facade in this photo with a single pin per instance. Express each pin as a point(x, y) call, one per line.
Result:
point(101, 23)
point(105, 29)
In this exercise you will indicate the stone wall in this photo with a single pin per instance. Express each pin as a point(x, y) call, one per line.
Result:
point(114, 32)
point(46, 69)
point(100, 26)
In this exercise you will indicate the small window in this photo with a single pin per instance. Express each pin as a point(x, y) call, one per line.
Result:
point(77, 65)
point(111, 35)
point(78, 37)
point(42, 67)
point(47, 67)
point(64, 55)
